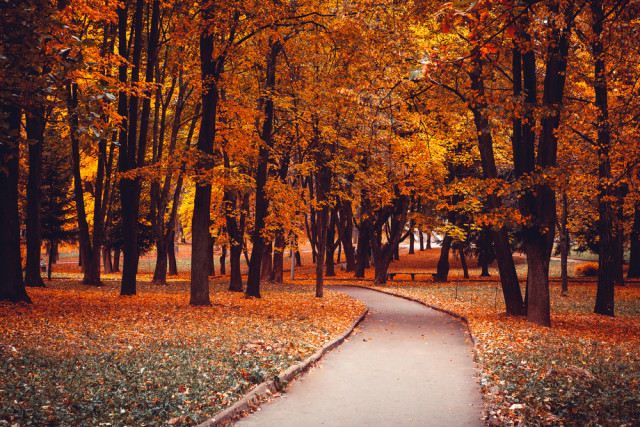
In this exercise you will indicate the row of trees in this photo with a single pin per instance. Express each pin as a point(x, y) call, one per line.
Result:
point(267, 122)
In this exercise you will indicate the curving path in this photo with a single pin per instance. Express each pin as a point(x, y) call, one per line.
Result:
point(405, 364)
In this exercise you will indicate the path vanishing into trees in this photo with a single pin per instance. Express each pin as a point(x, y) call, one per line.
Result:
point(405, 364)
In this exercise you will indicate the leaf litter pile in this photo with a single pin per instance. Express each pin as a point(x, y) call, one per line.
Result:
point(86, 356)
point(584, 370)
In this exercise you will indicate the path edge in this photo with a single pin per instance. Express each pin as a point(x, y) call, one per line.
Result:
point(461, 317)
point(252, 399)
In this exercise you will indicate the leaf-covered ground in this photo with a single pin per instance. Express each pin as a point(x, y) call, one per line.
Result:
point(584, 370)
point(85, 356)
point(80, 356)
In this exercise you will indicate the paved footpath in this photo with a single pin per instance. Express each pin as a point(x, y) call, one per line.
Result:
point(405, 364)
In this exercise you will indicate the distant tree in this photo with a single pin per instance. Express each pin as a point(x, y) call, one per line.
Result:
point(57, 210)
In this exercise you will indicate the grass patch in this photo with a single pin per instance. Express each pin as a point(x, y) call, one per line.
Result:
point(86, 356)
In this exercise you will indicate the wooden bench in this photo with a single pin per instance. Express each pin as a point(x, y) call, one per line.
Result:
point(391, 275)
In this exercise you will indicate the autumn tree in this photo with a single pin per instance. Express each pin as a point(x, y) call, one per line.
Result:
point(23, 56)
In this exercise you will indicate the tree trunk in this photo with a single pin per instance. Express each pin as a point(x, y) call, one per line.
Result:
point(421, 239)
point(51, 257)
point(321, 223)
point(11, 282)
point(463, 261)
point(508, 276)
point(235, 277)
point(106, 260)
point(429, 239)
point(485, 270)
point(171, 253)
point(278, 258)
point(130, 188)
point(346, 232)
point(412, 237)
point(298, 259)
point(35, 125)
point(310, 223)
point(267, 263)
point(211, 69)
point(85, 254)
point(162, 257)
point(164, 228)
point(223, 260)
point(606, 194)
point(485, 253)
point(394, 220)
point(381, 268)
point(116, 260)
point(362, 261)
point(323, 186)
point(564, 246)
point(262, 204)
point(330, 270)
point(442, 270)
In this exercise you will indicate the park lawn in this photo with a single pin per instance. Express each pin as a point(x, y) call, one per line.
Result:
point(584, 370)
point(86, 356)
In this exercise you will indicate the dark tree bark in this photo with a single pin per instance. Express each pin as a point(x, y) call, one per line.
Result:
point(262, 204)
point(396, 217)
point(172, 224)
point(235, 230)
point(463, 261)
point(421, 239)
point(310, 223)
point(429, 240)
point(345, 229)
point(508, 276)
point(35, 126)
point(85, 250)
point(116, 260)
point(442, 269)
point(362, 261)
point(485, 251)
point(278, 258)
point(277, 267)
point(332, 244)
point(11, 282)
point(323, 184)
point(211, 69)
point(606, 191)
point(539, 239)
point(173, 265)
point(130, 187)
point(51, 257)
point(223, 260)
point(106, 260)
point(160, 194)
point(267, 262)
point(412, 237)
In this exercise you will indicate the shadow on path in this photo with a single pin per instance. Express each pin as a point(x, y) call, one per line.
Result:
point(405, 364)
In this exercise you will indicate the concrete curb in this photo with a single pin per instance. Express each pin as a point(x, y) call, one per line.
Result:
point(464, 320)
point(251, 400)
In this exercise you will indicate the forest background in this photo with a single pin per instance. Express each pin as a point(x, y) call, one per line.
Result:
point(501, 127)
